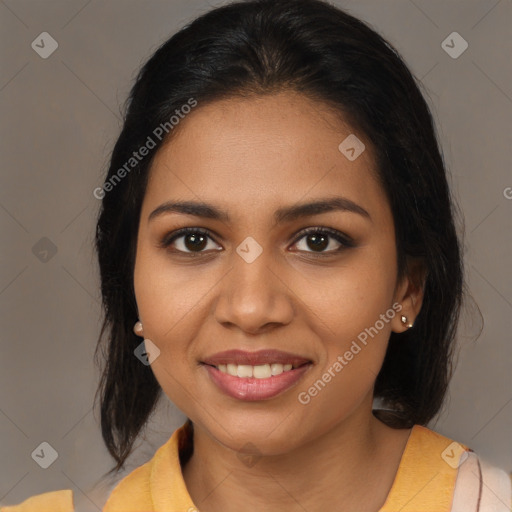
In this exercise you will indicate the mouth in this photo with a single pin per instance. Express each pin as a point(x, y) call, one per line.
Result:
point(255, 375)
point(261, 371)
point(260, 365)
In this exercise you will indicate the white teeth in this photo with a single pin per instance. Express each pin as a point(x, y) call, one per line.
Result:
point(244, 370)
point(262, 371)
point(276, 368)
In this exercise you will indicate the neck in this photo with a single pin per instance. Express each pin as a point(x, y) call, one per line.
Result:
point(332, 472)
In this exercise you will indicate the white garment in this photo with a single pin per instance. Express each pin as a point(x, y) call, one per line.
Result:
point(481, 487)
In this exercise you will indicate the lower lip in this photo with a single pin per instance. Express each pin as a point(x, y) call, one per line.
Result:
point(250, 388)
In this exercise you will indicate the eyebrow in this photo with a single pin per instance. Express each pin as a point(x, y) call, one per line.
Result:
point(286, 214)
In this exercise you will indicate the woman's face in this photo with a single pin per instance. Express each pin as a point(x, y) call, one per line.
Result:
point(257, 282)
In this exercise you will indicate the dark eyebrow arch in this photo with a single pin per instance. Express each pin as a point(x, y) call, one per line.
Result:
point(286, 214)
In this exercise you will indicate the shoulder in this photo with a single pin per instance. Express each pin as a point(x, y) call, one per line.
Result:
point(137, 490)
point(55, 501)
point(156, 485)
point(142, 489)
point(434, 450)
point(438, 473)
point(478, 485)
point(133, 491)
point(482, 484)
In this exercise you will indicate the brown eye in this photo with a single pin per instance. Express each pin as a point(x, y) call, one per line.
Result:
point(320, 239)
point(317, 242)
point(188, 240)
point(195, 242)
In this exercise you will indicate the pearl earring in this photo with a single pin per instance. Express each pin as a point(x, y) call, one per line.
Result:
point(137, 328)
point(404, 321)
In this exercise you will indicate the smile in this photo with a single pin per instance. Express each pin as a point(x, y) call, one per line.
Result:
point(255, 376)
point(262, 371)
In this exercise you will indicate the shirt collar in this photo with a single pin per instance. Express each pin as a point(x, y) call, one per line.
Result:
point(424, 480)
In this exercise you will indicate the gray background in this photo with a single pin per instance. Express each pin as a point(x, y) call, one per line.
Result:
point(60, 118)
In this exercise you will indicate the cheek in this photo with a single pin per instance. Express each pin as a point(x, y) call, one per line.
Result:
point(352, 316)
point(171, 304)
point(358, 306)
point(350, 297)
point(167, 297)
point(167, 303)
point(354, 344)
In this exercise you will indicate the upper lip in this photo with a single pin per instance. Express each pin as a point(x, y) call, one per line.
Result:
point(260, 357)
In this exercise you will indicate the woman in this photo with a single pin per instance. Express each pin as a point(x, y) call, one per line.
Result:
point(277, 248)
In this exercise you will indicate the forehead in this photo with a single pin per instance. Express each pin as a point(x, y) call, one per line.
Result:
point(259, 152)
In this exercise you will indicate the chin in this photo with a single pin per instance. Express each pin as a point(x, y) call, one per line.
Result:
point(247, 433)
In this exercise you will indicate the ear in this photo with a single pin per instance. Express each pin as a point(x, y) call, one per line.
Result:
point(409, 294)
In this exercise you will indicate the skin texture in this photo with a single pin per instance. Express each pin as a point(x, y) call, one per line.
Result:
point(251, 156)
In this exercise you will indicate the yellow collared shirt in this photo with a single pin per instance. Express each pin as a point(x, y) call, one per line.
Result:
point(425, 481)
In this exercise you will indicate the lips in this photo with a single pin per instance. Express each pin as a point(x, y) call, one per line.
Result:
point(255, 376)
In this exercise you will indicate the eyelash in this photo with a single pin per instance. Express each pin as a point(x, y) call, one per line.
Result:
point(345, 241)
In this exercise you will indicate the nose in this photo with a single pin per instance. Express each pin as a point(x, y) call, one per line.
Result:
point(254, 297)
